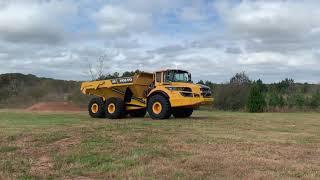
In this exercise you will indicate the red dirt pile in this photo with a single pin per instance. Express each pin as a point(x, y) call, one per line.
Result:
point(54, 106)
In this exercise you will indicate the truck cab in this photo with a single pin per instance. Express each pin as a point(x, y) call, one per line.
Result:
point(182, 93)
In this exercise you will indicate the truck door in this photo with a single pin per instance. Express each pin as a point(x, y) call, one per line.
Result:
point(158, 78)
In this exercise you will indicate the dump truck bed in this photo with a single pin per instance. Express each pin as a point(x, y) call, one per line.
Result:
point(137, 84)
point(94, 85)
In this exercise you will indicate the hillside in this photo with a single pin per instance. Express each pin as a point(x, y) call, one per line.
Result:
point(20, 91)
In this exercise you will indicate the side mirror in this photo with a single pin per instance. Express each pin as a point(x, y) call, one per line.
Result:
point(189, 77)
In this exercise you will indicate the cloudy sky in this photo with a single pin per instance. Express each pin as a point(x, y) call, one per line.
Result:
point(267, 39)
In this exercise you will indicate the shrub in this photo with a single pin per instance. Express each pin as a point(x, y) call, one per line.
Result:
point(231, 97)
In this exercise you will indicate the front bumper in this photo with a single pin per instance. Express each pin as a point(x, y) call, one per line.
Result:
point(190, 101)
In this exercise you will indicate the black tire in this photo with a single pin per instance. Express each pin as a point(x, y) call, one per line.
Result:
point(119, 109)
point(96, 108)
point(165, 112)
point(138, 113)
point(182, 112)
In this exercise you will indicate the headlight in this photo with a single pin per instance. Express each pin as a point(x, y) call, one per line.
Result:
point(171, 88)
point(186, 94)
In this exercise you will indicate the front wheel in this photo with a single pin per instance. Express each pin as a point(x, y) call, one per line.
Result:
point(159, 107)
point(182, 112)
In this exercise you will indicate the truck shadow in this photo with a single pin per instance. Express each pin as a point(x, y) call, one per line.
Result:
point(198, 118)
point(193, 118)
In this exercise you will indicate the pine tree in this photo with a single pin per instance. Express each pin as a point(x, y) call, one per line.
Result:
point(256, 100)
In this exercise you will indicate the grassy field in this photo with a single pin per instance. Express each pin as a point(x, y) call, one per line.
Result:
point(208, 145)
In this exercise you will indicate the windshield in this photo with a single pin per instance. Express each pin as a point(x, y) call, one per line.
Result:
point(177, 76)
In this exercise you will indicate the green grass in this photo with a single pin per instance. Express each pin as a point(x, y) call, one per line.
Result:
point(5, 149)
point(208, 145)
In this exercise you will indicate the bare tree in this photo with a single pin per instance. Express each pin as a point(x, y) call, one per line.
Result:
point(100, 66)
point(97, 71)
point(91, 71)
point(13, 86)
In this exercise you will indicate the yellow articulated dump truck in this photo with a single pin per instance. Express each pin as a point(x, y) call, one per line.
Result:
point(161, 94)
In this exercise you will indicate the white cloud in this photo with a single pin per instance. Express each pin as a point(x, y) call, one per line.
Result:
point(278, 59)
point(273, 36)
point(150, 6)
point(271, 19)
point(112, 20)
point(192, 14)
point(34, 21)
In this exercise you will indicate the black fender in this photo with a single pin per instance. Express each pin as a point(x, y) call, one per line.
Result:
point(159, 92)
point(128, 95)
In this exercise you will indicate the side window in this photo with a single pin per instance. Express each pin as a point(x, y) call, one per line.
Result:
point(158, 77)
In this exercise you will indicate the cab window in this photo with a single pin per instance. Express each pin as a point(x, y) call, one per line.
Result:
point(158, 77)
point(177, 76)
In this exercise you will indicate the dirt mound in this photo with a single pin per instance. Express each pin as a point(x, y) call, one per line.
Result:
point(54, 106)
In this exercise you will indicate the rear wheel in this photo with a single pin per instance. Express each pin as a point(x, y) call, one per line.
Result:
point(96, 108)
point(138, 113)
point(115, 108)
point(182, 112)
point(159, 107)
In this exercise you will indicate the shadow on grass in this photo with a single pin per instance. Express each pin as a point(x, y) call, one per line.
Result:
point(170, 119)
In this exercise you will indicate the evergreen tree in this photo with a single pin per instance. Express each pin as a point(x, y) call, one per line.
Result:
point(256, 100)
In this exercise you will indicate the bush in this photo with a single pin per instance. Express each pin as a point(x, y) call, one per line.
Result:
point(231, 97)
point(256, 99)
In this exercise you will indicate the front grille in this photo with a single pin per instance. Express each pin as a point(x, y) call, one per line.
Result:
point(206, 92)
point(204, 89)
point(187, 89)
point(184, 94)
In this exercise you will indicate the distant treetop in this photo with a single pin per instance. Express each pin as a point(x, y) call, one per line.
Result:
point(240, 79)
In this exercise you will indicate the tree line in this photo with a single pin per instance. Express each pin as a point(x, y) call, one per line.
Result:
point(243, 94)
point(240, 93)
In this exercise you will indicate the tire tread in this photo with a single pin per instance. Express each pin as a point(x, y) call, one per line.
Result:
point(120, 108)
point(101, 105)
point(166, 107)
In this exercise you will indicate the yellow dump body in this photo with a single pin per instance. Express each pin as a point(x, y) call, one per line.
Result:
point(138, 85)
